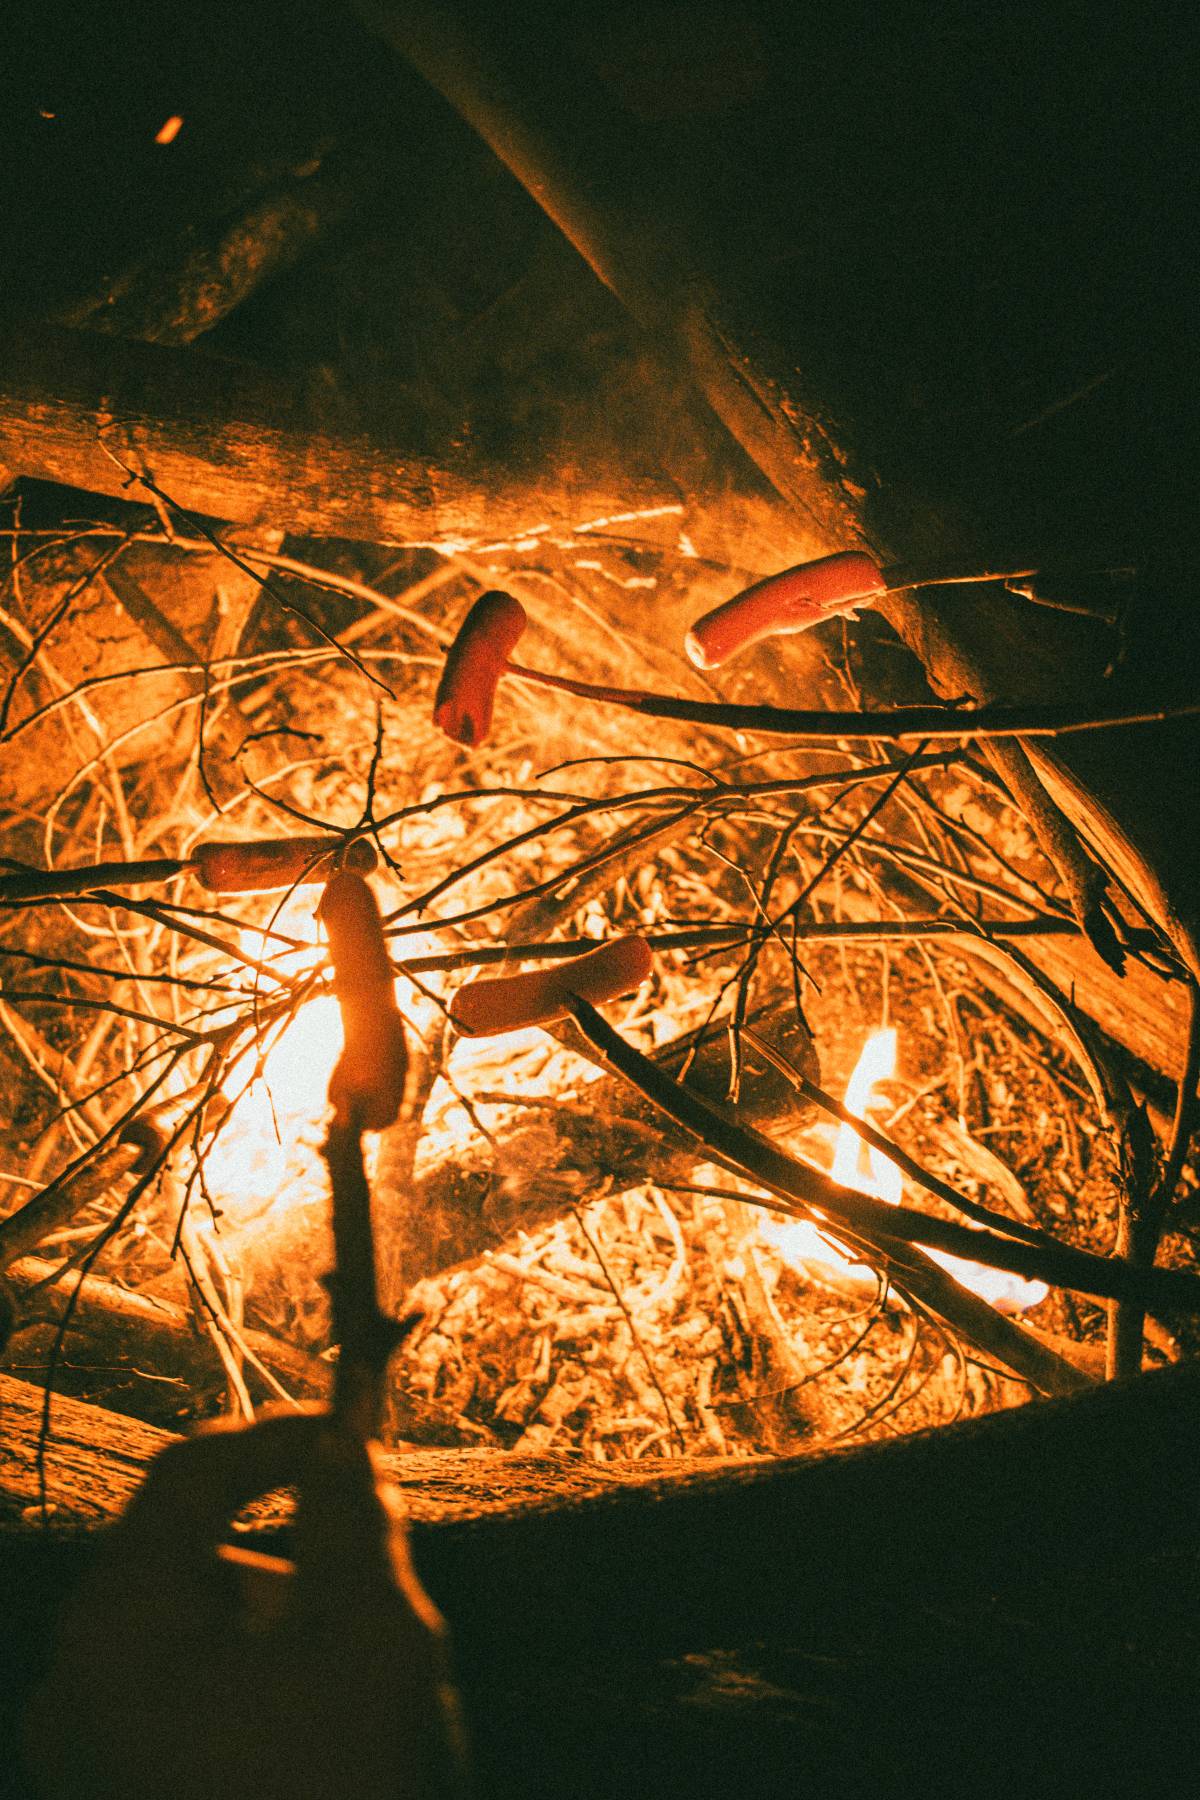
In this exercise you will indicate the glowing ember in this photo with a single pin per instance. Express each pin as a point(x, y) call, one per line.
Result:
point(169, 130)
point(802, 1243)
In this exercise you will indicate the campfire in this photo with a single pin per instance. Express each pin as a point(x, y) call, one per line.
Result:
point(597, 910)
point(590, 1276)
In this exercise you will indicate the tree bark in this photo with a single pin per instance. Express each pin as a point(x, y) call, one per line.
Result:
point(233, 442)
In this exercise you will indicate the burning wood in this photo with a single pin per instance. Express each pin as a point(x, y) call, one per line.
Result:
point(693, 1332)
point(884, 1179)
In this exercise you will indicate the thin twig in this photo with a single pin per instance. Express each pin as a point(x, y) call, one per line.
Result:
point(633, 1330)
point(239, 562)
point(1144, 1208)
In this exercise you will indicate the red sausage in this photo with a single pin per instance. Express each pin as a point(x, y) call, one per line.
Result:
point(486, 1008)
point(475, 662)
point(258, 866)
point(367, 1086)
point(784, 604)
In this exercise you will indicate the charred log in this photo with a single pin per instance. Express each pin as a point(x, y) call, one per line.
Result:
point(91, 411)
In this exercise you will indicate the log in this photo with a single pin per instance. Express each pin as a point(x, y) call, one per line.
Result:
point(132, 1330)
point(540, 1558)
point(528, 1174)
point(186, 286)
point(1139, 1010)
point(151, 1356)
point(59, 1203)
point(95, 1461)
point(1023, 1633)
point(236, 443)
point(461, 1208)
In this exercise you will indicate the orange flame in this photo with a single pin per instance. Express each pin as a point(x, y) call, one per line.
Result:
point(800, 1242)
point(876, 1062)
point(279, 1099)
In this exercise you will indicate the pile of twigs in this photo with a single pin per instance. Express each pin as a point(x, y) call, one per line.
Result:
point(838, 884)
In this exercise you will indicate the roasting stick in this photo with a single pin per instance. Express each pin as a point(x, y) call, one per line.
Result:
point(367, 1092)
point(782, 605)
point(365, 1335)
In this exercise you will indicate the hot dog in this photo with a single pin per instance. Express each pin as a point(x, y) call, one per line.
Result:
point(475, 662)
point(486, 1008)
point(367, 1085)
point(258, 866)
point(783, 604)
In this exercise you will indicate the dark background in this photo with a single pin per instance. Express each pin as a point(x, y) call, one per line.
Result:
point(977, 222)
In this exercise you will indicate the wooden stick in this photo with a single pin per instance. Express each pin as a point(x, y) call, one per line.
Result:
point(57, 1204)
point(368, 1089)
point(932, 1184)
point(253, 866)
point(699, 937)
point(54, 884)
point(1048, 719)
point(366, 1337)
